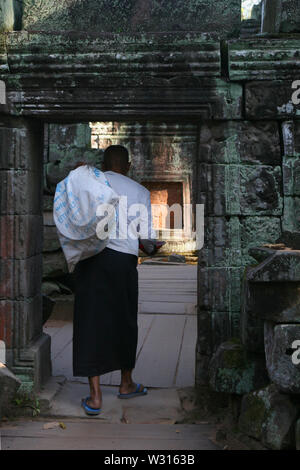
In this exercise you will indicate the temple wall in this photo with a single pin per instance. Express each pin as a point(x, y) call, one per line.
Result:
point(123, 16)
point(237, 137)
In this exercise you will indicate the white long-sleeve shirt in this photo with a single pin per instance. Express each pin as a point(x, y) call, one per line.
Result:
point(133, 222)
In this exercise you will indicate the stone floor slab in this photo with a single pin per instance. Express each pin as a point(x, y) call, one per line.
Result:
point(96, 435)
point(165, 353)
point(159, 406)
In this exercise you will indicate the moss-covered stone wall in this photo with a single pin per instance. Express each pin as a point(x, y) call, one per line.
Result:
point(237, 93)
point(123, 16)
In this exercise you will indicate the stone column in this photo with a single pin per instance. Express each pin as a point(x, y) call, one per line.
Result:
point(239, 178)
point(291, 175)
point(21, 157)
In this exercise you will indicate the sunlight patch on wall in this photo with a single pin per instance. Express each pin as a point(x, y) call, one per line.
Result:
point(247, 8)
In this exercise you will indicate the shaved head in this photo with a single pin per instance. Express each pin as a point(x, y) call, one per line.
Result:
point(116, 158)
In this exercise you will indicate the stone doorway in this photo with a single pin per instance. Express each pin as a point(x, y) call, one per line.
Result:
point(169, 89)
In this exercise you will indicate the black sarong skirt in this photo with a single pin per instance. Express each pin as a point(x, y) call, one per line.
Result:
point(105, 330)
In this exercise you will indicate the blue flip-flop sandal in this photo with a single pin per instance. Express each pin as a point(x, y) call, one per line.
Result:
point(89, 411)
point(137, 392)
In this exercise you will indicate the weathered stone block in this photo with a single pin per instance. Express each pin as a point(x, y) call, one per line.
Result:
point(252, 325)
point(38, 356)
point(291, 176)
point(223, 325)
point(6, 325)
point(240, 142)
point(291, 138)
point(9, 384)
point(57, 170)
point(260, 190)
point(270, 100)
point(20, 192)
point(298, 435)
point(62, 136)
point(283, 266)
point(213, 329)
point(236, 189)
point(50, 288)
point(222, 242)
point(28, 315)
point(48, 219)
point(20, 278)
point(205, 333)
point(227, 240)
point(235, 319)
point(282, 346)
point(263, 59)
point(250, 27)
point(3, 69)
point(214, 293)
point(290, 239)
point(226, 179)
point(51, 240)
point(272, 302)
point(154, 146)
point(233, 370)
point(269, 417)
point(290, 16)
point(48, 200)
point(295, 139)
point(132, 15)
point(22, 236)
point(271, 12)
point(260, 254)
point(149, 97)
point(270, 292)
point(54, 265)
point(201, 375)
point(257, 231)
point(162, 82)
point(26, 375)
point(291, 214)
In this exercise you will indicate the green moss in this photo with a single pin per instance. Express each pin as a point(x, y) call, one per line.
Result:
point(24, 403)
point(234, 359)
point(27, 385)
point(236, 380)
point(13, 82)
point(235, 340)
